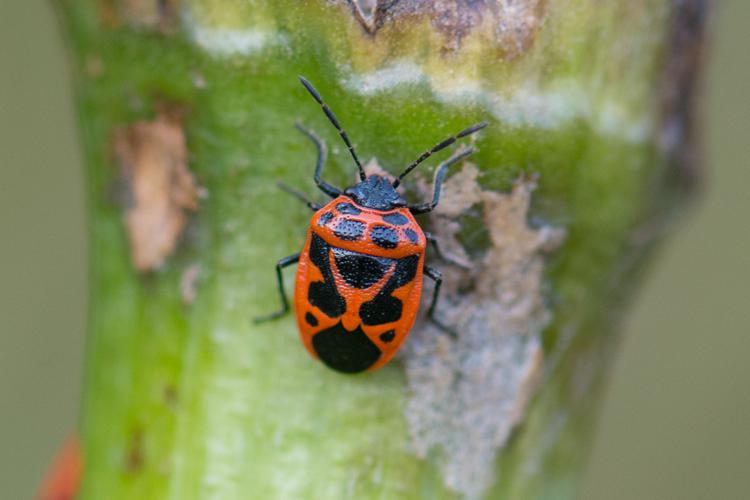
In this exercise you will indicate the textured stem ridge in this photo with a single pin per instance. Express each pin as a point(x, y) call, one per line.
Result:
point(187, 112)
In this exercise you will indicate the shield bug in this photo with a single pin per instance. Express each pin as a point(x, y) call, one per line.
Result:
point(359, 278)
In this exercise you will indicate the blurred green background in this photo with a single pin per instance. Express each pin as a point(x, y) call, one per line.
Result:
point(676, 423)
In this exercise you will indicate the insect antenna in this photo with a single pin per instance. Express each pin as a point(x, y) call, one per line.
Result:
point(441, 145)
point(335, 122)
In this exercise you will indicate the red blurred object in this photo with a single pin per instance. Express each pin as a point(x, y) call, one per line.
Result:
point(64, 476)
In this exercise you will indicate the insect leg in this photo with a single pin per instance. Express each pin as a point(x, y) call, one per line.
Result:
point(437, 277)
point(443, 256)
point(331, 191)
point(286, 261)
point(300, 196)
point(423, 208)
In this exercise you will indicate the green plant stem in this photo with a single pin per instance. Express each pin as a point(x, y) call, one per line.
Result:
point(191, 400)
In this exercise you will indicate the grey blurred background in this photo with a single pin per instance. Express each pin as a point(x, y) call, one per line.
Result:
point(676, 423)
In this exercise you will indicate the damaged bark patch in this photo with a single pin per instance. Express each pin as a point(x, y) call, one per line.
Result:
point(134, 456)
point(152, 157)
point(160, 15)
point(513, 24)
point(467, 394)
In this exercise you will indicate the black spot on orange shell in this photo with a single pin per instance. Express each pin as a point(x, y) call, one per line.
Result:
point(380, 310)
point(388, 336)
point(350, 230)
point(311, 320)
point(347, 208)
point(384, 236)
point(323, 294)
point(384, 308)
point(360, 270)
point(345, 351)
point(325, 219)
point(411, 235)
point(396, 219)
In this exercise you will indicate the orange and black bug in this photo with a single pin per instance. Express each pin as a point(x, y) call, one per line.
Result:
point(359, 279)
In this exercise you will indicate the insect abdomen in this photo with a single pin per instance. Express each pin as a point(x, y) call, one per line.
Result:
point(354, 310)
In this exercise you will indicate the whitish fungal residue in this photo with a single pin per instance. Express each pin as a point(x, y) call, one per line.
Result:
point(399, 73)
point(225, 42)
point(556, 105)
point(468, 393)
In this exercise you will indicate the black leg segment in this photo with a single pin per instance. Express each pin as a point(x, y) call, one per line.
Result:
point(285, 262)
point(331, 191)
point(432, 240)
point(437, 277)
